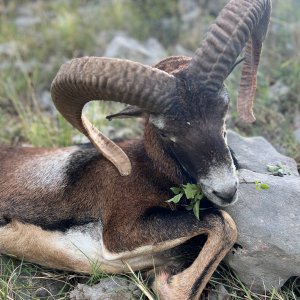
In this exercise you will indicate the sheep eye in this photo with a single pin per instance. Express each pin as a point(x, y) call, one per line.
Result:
point(163, 135)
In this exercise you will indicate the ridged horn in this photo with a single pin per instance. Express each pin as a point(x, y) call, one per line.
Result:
point(247, 88)
point(95, 78)
point(240, 22)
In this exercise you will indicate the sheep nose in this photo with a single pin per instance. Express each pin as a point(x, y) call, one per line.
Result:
point(227, 195)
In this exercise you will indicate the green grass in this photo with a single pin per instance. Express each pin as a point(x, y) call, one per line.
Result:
point(238, 291)
point(68, 29)
point(21, 280)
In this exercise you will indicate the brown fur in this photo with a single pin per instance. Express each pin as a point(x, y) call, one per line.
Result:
point(108, 197)
point(44, 192)
point(137, 223)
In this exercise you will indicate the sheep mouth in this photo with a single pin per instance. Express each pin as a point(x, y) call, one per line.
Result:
point(219, 200)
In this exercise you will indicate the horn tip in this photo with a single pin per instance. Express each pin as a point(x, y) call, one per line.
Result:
point(248, 118)
point(125, 171)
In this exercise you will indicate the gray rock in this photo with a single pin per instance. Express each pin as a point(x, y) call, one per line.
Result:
point(9, 48)
point(219, 293)
point(256, 153)
point(119, 133)
point(180, 50)
point(26, 21)
point(190, 12)
point(123, 46)
point(80, 139)
point(297, 135)
point(268, 220)
point(46, 102)
point(26, 66)
point(114, 288)
point(297, 120)
point(214, 7)
point(189, 9)
point(278, 92)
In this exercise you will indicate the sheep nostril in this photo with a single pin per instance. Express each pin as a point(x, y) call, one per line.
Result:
point(226, 196)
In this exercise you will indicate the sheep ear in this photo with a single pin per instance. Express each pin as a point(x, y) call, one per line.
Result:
point(129, 111)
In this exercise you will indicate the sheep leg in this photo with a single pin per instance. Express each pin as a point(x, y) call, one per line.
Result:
point(165, 232)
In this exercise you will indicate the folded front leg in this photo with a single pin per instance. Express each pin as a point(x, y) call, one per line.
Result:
point(159, 230)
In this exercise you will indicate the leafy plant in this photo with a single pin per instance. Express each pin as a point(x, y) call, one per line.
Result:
point(261, 186)
point(278, 170)
point(192, 193)
point(258, 185)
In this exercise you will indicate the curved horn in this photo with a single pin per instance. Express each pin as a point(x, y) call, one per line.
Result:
point(248, 79)
point(240, 21)
point(91, 78)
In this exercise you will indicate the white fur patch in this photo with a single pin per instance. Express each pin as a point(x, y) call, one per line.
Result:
point(84, 241)
point(144, 250)
point(79, 249)
point(220, 179)
point(157, 121)
point(45, 170)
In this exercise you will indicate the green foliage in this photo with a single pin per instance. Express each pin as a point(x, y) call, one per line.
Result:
point(160, 19)
point(142, 19)
point(37, 128)
point(261, 186)
point(191, 193)
point(278, 170)
point(20, 280)
point(258, 185)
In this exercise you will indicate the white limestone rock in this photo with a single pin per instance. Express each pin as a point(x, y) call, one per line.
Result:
point(268, 220)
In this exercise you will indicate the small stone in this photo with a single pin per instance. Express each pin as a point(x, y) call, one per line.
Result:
point(9, 48)
point(180, 50)
point(126, 47)
point(42, 293)
point(297, 136)
point(219, 293)
point(46, 102)
point(27, 21)
point(113, 288)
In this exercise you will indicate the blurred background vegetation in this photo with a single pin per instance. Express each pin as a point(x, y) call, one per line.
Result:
point(37, 37)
